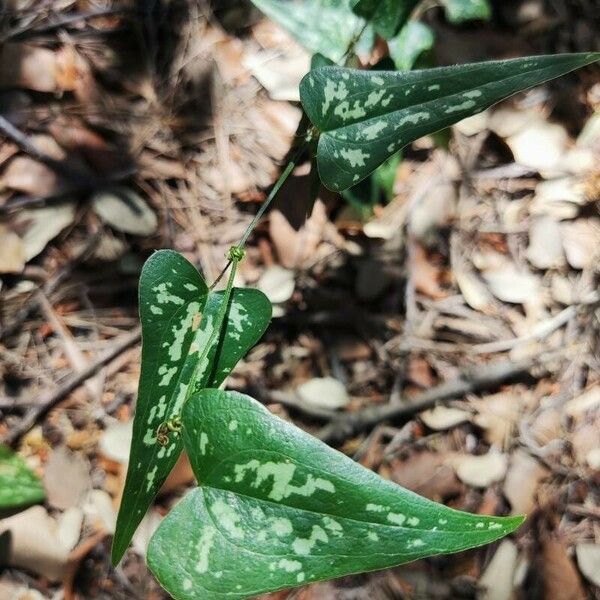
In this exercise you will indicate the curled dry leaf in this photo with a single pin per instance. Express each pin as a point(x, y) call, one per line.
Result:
point(481, 471)
point(444, 417)
point(522, 479)
point(498, 577)
point(35, 544)
point(124, 210)
point(324, 392)
point(545, 249)
point(41, 225)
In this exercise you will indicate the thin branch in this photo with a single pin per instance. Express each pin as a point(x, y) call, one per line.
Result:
point(47, 402)
point(472, 380)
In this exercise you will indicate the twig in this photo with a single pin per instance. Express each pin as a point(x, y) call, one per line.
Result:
point(473, 380)
point(51, 399)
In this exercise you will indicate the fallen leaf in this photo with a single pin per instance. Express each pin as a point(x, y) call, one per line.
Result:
point(444, 417)
point(545, 249)
point(69, 526)
point(426, 275)
point(588, 400)
point(588, 560)
point(585, 439)
point(145, 531)
point(497, 579)
point(66, 478)
point(277, 283)
point(581, 241)
point(27, 66)
point(512, 285)
point(560, 578)
point(474, 291)
point(481, 471)
point(433, 211)
point(28, 176)
point(522, 479)
point(41, 225)
point(34, 543)
point(12, 257)
point(124, 210)
point(99, 511)
point(115, 441)
point(324, 392)
point(560, 198)
point(497, 414)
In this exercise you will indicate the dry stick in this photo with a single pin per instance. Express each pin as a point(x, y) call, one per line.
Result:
point(51, 399)
point(472, 380)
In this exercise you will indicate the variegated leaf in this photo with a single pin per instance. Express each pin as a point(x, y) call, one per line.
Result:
point(387, 16)
point(365, 117)
point(178, 318)
point(277, 508)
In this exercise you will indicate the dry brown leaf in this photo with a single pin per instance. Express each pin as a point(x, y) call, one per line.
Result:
point(324, 392)
point(522, 479)
point(444, 417)
point(560, 578)
point(28, 176)
point(124, 210)
point(35, 544)
point(12, 257)
point(66, 478)
point(426, 276)
point(480, 471)
point(497, 579)
point(497, 414)
point(27, 66)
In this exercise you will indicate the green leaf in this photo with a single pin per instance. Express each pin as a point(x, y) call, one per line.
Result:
point(405, 48)
point(459, 11)
point(19, 486)
point(365, 117)
point(387, 16)
point(175, 361)
point(322, 26)
point(278, 508)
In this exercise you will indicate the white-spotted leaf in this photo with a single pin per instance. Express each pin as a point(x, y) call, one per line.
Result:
point(181, 352)
point(365, 117)
point(19, 486)
point(277, 508)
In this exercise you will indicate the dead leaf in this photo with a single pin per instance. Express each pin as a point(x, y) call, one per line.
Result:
point(66, 478)
point(277, 283)
point(522, 479)
point(41, 225)
point(28, 176)
point(324, 392)
point(426, 276)
point(581, 241)
point(474, 291)
point(545, 249)
point(513, 285)
point(115, 441)
point(69, 525)
point(444, 417)
point(588, 400)
point(145, 530)
point(497, 414)
point(35, 544)
point(433, 211)
point(99, 511)
point(481, 471)
point(560, 578)
point(124, 210)
point(585, 439)
point(559, 198)
point(588, 559)
point(12, 257)
point(27, 66)
point(497, 579)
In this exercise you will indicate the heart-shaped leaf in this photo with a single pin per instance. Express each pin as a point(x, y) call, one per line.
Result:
point(459, 11)
point(324, 26)
point(278, 508)
point(387, 16)
point(365, 117)
point(176, 359)
point(405, 48)
point(19, 486)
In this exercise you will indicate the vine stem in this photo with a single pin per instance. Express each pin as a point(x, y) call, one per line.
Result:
point(261, 211)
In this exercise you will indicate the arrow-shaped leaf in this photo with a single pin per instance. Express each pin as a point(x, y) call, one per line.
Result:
point(19, 486)
point(365, 117)
point(176, 359)
point(278, 508)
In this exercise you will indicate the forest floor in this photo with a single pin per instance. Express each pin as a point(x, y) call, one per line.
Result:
point(469, 301)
